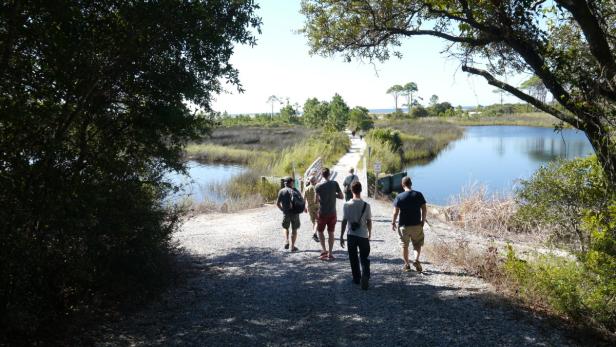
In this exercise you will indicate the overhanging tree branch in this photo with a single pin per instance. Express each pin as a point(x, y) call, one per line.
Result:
point(523, 96)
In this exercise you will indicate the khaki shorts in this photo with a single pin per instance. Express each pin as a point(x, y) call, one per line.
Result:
point(291, 219)
point(411, 233)
point(313, 216)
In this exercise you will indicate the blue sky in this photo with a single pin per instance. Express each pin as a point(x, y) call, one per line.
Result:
point(280, 65)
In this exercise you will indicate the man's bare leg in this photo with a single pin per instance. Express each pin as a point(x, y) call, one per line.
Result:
point(322, 241)
point(416, 263)
point(293, 238)
point(286, 236)
point(330, 241)
point(405, 255)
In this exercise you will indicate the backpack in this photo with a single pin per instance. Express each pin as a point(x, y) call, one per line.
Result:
point(297, 202)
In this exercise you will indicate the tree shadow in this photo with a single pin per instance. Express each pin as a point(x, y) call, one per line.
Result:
point(262, 296)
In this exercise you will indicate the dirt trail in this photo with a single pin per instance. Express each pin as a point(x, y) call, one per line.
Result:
point(244, 289)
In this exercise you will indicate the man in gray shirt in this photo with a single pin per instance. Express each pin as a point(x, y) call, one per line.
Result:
point(347, 184)
point(325, 197)
point(357, 221)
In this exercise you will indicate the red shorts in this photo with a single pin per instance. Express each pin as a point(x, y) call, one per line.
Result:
point(327, 219)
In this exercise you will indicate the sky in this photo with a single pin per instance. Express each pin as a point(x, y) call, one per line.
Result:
point(280, 64)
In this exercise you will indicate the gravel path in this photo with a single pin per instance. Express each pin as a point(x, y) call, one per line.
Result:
point(243, 288)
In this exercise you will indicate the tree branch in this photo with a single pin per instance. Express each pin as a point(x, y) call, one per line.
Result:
point(469, 40)
point(574, 121)
point(596, 36)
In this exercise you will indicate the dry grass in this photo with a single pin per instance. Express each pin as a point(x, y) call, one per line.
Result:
point(493, 215)
point(270, 139)
point(230, 205)
point(485, 264)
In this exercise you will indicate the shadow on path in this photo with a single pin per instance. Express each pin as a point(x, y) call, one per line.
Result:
point(257, 296)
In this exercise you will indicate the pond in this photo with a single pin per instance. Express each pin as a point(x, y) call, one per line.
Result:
point(202, 179)
point(496, 157)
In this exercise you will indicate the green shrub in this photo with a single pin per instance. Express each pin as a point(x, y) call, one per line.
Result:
point(560, 194)
point(385, 136)
point(566, 286)
point(330, 146)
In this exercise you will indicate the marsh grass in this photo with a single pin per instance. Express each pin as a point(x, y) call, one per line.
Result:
point(269, 139)
point(330, 146)
point(536, 119)
point(244, 191)
point(212, 153)
point(265, 151)
point(421, 139)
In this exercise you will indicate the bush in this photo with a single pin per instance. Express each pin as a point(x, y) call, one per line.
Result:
point(567, 287)
point(330, 146)
point(93, 114)
point(419, 111)
point(560, 194)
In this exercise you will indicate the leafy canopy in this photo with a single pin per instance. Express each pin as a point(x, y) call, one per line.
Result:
point(567, 44)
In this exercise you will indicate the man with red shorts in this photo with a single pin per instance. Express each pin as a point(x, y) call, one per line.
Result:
point(325, 197)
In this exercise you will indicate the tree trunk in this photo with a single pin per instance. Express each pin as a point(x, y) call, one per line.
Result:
point(604, 147)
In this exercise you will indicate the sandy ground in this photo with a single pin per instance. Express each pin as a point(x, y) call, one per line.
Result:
point(243, 288)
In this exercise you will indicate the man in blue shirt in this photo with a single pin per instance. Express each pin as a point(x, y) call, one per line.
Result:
point(410, 205)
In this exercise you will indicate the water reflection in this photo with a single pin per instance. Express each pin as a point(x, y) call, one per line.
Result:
point(495, 156)
point(204, 180)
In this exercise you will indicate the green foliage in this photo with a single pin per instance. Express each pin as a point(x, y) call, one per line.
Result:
point(315, 113)
point(568, 46)
point(386, 136)
point(567, 287)
point(92, 115)
point(441, 109)
point(359, 119)
point(412, 140)
point(419, 112)
point(338, 114)
point(288, 114)
point(330, 146)
point(560, 194)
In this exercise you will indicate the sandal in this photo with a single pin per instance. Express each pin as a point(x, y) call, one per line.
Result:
point(331, 257)
point(286, 246)
point(295, 249)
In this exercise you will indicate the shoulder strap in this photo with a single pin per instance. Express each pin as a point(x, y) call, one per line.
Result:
point(362, 212)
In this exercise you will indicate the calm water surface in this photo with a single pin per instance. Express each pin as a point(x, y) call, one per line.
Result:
point(494, 156)
point(201, 179)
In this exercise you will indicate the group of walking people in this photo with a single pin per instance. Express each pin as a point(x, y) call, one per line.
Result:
point(319, 201)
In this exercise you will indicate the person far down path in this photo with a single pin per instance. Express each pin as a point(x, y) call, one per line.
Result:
point(352, 177)
point(291, 203)
point(358, 217)
point(411, 206)
point(327, 192)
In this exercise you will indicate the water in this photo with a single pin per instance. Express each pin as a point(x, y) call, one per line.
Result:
point(494, 156)
point(201, 177)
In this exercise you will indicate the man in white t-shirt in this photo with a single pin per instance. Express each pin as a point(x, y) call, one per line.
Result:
point(357, 221)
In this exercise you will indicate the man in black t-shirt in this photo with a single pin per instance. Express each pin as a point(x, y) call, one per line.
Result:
point(411, 206)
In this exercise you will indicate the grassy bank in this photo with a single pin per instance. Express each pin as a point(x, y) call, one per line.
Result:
point(535, 119)
point(212, 153)
point(266, 152)
point(397, 143)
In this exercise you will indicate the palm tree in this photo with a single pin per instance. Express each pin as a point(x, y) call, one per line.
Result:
point(409, 89)
point(273, 99)
point(395, 91)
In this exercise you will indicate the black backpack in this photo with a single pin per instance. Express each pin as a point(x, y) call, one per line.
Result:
point(297, 202)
